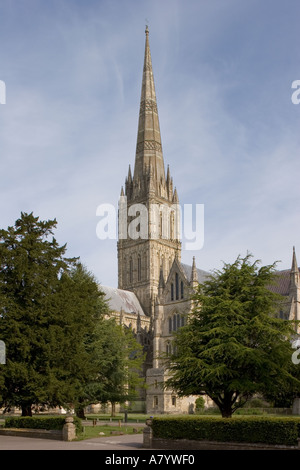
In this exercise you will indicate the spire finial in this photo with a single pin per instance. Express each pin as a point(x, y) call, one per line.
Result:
point(194, 275)
point(295, 268)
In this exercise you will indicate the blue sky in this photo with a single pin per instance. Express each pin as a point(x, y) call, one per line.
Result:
point(223, 72)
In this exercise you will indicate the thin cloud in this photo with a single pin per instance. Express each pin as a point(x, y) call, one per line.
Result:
point(223, 72)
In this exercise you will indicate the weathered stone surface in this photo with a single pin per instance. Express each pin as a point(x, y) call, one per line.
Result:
point(69, 429)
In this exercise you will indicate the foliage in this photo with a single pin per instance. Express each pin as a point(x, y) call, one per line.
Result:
point(233, 346)
point(199, 403)
point(283, 396)
point(284, 431)
point(83, 304)
point(118, 358)
point(48, 308)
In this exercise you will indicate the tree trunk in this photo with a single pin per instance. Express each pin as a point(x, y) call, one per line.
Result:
point(26, 409)
point(226, 413)
point(113, 409)
point(80, 412)
point(226, 408)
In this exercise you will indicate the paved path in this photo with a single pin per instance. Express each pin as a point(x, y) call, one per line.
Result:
point(125, 442)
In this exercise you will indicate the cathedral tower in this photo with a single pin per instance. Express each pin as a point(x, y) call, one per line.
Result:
point(149, 208)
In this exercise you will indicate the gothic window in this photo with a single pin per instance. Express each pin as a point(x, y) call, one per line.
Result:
point(130, 271)
point(168, 349)
point(139, 268)
point(281, 315)
point(172, 291)
point(155, 402)
point(160, 224)
point(177, 286)
point(182, 291)
point(172, 226)
point(173, 400)
point(175, 322)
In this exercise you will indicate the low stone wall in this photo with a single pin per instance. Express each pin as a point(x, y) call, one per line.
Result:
point(36, 433)
point(150, 442)
point(184, 444)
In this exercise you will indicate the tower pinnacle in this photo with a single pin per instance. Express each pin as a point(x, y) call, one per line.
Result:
point(294, 270)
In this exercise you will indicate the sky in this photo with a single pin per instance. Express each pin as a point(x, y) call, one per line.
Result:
point(223, 73)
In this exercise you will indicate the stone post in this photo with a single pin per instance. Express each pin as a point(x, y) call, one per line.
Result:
point(147, 434)
point(296, 406)
point(69, 429)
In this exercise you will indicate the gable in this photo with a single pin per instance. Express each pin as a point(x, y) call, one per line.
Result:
point(177, 283)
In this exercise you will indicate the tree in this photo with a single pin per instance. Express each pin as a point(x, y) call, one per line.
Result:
point(48, 306)
point(118, 358)
point(81, 301)
point(284, 396)
point(233, 345)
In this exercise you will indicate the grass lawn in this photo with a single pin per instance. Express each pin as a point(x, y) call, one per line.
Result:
point(94, 431)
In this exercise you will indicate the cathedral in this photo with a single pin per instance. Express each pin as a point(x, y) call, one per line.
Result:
point(154, 287)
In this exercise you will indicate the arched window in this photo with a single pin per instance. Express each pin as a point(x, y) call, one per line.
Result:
point(172, 291)
point(177, 286)
point(130, 271)
point(160, 224)
point(182, 291)
point(139, 266)
point(162, 264)
point(175, 322)
point(172, 226)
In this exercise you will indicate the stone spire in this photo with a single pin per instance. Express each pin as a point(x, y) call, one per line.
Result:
point(294, 280)
point(149, 186)
point(148, 148)
point(194, 275)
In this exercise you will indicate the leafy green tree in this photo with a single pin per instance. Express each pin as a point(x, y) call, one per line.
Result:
point(48, 306)
point(199, 404)
point(81, 304)
point(284, 396)
point(233, 345)
point(118, 358)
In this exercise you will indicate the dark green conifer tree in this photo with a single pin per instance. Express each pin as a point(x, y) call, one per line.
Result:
point(234, 345)
point(48, 308)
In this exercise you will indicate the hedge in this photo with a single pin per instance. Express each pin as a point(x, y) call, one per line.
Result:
point(41, 422)
point(251, 429)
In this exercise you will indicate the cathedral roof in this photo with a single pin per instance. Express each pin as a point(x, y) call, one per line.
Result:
point(119, 299)
point(282, 282)
point(202, 275)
